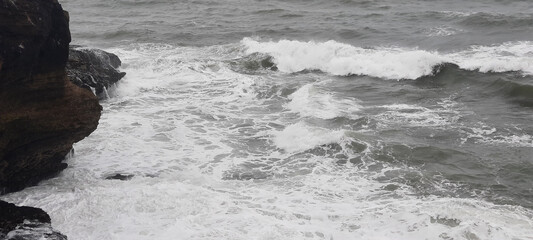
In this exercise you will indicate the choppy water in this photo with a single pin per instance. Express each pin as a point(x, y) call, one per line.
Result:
point(305, 120)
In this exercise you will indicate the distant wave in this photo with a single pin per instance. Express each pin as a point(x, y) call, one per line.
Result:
point(507, 57)
point(508, 85)
point(480, 19)
point(496, 20)
point(341, 59)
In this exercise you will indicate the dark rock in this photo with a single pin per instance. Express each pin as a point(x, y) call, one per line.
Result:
point(120, 176)
point(35, 231)
point(93, 69)
point(13, 215)
point(26, 223)
point(41, 112)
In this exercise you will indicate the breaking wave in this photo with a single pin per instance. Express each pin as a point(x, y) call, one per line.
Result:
point(342, 59)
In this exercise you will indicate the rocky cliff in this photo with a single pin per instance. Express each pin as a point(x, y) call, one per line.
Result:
point(41, 112)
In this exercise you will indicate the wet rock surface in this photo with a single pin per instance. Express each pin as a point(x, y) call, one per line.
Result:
point(28, 223)
point(120, 176)
point(41, 112)
point(11, 216)
point(93, 69)
point(31, 230)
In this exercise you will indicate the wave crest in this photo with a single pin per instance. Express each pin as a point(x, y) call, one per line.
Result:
point(341, 59)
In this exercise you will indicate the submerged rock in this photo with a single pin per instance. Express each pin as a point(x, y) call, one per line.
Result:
point(253, 64)
point(93, 69)
point(41, 112)
point(26, 223)
point(119, 176)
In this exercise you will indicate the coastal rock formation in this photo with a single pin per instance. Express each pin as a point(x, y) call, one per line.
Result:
point(25, 223)
point(93, 69)
point(41, 112)
point(12, 216)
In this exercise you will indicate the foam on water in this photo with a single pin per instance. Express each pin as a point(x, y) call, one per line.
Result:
point(181, 119)
point(300, 137)
point(506, 57)
point(321, 205)
point(417, 116)
point(455, 14)
point(442, 31)
point(343, 59)
point(311, 101)
point(484, 134)
point(389, 63)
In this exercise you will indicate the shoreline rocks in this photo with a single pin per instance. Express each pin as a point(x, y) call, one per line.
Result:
point(26, 223)
point(93, 69)
point(42, 113)
point(13, 215)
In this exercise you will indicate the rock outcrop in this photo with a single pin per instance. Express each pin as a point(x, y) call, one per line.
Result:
point(93, 69)
point(25, 223)
point(41, 112)
point(12, 216)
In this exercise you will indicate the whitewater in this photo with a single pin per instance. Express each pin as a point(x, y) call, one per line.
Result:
point(311, 127)
point(214, 159)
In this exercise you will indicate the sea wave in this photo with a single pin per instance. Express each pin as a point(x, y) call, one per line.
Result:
point(482, 19)
point(395, 63)
point(342, 59)
point(506, 57)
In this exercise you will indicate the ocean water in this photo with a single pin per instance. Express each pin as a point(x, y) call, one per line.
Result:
point(304, 119)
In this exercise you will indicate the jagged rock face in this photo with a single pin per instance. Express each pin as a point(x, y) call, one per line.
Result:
point(93, 69)
point(41, 112)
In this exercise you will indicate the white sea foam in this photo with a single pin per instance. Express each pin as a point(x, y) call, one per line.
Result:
point(181, 119)
point(442, 31)
point(311, 101)
point(489, 135)
point(300, 137)
point(516, 56)
point(417, 116)
point(390, 63)
point(455, 14)
point(343, 59)
point(324, 204)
